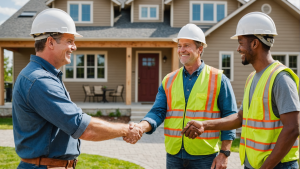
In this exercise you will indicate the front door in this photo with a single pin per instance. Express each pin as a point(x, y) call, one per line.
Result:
point(148, 77)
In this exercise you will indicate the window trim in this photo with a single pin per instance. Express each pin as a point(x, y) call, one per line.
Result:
point(231, 63)
point(85, 79)
point(215, 3)
point(80, 10)
point(287, 59)
point(149, 6)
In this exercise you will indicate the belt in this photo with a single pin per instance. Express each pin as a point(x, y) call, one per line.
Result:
point(50, 162)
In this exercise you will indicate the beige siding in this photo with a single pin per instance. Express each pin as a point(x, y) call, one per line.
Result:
point(219, 40)
point(21, 59)
point(136, 10)
point(101, 12)
point(182, 11)
point(166, 67)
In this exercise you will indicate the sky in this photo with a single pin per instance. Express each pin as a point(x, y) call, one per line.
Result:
point(9, 7)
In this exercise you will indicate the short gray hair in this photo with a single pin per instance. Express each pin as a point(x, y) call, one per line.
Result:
point(40, 44)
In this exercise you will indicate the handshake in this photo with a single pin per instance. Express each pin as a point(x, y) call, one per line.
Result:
point(192, 130)
point(135, 133)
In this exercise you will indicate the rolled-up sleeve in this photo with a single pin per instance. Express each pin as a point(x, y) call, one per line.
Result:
point(48, 98)
point(157, 114)
point(227, 106)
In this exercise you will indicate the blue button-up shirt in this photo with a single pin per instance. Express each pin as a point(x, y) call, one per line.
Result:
point(46, 122)
point(226, 103)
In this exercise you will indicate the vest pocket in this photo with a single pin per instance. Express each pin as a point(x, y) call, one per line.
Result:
point(201, 100)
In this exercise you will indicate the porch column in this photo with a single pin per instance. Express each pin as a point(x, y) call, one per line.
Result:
point(1, 75)
point(175, 60)
point(128, 74)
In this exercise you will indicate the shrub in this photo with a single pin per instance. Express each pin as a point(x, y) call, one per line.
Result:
point(99, 113)
point(112, 114)
point(118, 113)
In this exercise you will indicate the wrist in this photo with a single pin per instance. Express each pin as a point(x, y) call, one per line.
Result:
point(225, 152)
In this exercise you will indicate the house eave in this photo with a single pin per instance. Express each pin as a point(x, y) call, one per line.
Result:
point(128, 2)
point(96, 39)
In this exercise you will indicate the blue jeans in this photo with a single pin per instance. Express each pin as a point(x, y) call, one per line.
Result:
point(179, 163)
point(287, 165)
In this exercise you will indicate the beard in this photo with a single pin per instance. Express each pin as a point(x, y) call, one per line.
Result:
point(245, 61)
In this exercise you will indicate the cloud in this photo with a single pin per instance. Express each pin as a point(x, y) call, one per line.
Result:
point(20, 2)
point(7, 11)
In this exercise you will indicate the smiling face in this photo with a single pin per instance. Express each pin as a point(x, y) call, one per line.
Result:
point(245, 50)
point(63, 49)
point(187, 51)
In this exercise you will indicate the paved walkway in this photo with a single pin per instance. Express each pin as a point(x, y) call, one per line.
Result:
point(149, 152)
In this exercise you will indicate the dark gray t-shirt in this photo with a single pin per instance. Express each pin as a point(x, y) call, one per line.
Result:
point(284, 96)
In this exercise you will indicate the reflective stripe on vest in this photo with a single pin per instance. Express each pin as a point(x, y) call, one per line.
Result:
point(262, 124)
point(212, 89)
point(168, 88)
point(202, 115)
point(259, 146)
point(209, 134)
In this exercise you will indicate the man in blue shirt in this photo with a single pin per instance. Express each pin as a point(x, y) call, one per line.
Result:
point(191, 41)
point(47, 124)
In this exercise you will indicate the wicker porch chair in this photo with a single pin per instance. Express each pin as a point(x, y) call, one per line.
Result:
point(88, 92)
point(117, 93)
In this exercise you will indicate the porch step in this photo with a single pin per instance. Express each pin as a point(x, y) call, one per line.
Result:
point(138, 113)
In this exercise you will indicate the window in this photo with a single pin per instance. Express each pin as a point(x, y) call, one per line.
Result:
point(148, 12)
point(91, 66)
point(81, 12)
point(148, 62)
point(207, 11)
point(289, 59)
point(29, 14)
point(226, 63)
point(280, 58)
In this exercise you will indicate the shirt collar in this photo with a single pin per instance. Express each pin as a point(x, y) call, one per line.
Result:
point(198, 71)
point(46, 65)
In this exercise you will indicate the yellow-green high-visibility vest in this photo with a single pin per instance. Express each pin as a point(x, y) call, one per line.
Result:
point(261, 128)
point(201, 106)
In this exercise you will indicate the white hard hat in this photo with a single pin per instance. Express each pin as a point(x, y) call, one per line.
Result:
point(52, 20)
point(255, 23)
point(192, 32)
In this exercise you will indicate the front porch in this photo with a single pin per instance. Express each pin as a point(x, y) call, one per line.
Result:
point(119, 72)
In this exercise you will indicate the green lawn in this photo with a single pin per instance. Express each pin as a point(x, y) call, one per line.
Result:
point(6, 123)
point(235, 145)
point(10, 160)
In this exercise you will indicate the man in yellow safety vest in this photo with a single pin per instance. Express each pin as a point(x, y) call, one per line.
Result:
point(269, 115)
point(194, 92)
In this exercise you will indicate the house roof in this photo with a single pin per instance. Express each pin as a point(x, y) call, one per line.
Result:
point(18, 28)
point(168, 1)
point(48, 2)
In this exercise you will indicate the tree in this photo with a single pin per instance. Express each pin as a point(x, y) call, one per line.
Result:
point(8, 70)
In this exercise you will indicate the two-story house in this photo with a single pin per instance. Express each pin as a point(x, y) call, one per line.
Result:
point(130, 41)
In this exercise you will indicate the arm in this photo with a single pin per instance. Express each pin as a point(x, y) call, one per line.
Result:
point(283, 145)
point(221, 161)
point(154, 117)
point(99, 130)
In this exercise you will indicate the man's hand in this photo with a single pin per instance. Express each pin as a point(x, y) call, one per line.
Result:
point(193, 129)
point(220, 162)
point(134, 134)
